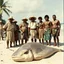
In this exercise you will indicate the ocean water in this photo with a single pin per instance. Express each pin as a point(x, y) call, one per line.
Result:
point(61, 37)
point(62, 26)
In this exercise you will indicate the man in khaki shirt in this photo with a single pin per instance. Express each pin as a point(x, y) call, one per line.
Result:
point(9, 26)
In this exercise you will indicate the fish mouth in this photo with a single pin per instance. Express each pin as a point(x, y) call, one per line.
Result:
point(17, 59)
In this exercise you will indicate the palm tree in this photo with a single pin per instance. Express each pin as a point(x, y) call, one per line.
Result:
point(5, 8)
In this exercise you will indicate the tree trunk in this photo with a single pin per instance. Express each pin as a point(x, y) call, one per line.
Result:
point(0, 16)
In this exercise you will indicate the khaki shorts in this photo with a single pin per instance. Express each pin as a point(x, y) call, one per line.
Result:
point(33, 33)
point(41, 33)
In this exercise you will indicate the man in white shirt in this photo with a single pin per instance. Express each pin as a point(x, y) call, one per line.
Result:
point(33, 28)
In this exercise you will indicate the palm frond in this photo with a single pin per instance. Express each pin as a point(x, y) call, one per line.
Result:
point(9, 6)
point(1, 11)
point(1, 2)
point(4, 7)
point(5, 3)
point(6, 12)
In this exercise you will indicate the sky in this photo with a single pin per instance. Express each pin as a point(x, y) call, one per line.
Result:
point(27, 8)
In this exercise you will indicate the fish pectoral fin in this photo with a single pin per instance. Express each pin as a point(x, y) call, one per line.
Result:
point(22, 52)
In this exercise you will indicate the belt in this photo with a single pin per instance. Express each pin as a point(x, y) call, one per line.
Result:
point(33, 29)
point(9, 30)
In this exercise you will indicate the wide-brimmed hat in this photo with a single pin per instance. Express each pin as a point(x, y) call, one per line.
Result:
point(25, 19)
point(11, 18)
point(14, 21)
point(32, 18)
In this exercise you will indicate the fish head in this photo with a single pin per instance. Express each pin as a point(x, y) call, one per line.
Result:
point(22, 55)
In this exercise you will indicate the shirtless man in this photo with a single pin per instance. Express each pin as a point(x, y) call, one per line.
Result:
point(55, 30)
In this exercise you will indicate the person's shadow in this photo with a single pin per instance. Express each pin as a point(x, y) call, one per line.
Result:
point(60, 44)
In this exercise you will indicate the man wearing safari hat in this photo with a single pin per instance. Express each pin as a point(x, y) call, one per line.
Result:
point(24, 30)
point(9, 27)
point(16, 33)
point(33, 28)
point(1, 30)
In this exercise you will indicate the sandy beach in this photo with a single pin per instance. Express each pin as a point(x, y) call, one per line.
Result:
point(5, 54)
point(21, 15)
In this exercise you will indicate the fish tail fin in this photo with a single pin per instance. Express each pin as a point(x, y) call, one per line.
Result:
point(60, 50)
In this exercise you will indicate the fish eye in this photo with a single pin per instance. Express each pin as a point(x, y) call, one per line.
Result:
point(26, 52)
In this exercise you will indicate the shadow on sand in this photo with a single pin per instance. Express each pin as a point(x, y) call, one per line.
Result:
point(62, 44)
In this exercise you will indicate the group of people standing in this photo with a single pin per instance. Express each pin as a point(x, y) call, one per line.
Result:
point(41, 30)
point(45, 30)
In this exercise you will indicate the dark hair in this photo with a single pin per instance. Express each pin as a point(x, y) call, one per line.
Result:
point(54, 15)
point(46, 16)
point(40, 18)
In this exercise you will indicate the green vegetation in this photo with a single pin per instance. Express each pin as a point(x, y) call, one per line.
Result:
point(4, 8)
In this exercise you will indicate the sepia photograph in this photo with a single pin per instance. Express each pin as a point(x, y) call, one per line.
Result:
point(31, 32)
